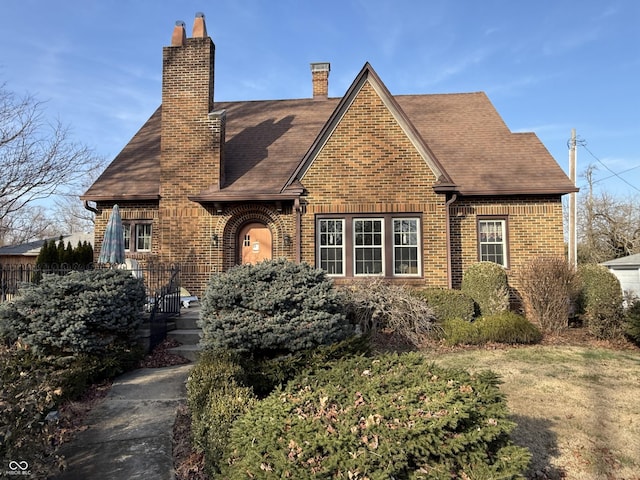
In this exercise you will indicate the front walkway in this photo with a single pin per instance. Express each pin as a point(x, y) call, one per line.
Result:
point(130, 432)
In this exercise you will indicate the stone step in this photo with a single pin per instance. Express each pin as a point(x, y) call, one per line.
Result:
point(189, 336)
point(190, 352)
point(186, 322)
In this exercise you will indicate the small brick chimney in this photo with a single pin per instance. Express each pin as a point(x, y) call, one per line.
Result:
point(320, 80)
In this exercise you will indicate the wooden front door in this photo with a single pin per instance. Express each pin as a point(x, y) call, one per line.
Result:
point(254, 243)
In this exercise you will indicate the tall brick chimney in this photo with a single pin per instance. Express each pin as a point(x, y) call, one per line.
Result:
point(191, 138)
point(320, 80)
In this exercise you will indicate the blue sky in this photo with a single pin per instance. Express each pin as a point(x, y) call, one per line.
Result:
point(548, 66)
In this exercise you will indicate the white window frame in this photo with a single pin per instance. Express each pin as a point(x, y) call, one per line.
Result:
point(332, 245)
point(141, 234)
point(415, 245)
point(373, 246)
point(133, 233)
point(349, 247)
point(488, 242)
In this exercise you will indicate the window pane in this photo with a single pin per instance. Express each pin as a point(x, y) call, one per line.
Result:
point(126, 230)
point(492, 241)
point(331, 246)
point(143, 237)
point(405, 252)
point(368, 246)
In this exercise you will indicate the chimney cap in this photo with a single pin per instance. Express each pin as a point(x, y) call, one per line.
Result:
point(199, 27)
point(320, 67)
point(178, 36)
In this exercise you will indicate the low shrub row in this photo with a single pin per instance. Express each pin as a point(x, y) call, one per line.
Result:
point(359, 416)
point(506, 327)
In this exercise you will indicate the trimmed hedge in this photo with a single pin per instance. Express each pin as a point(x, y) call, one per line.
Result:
point(271, 308)
point(600, 301)
point(81, 312)
point(394, 416)
point(448, 303)
point(487, 284)
point(504, 327)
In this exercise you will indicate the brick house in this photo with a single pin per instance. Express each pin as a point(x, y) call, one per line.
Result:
point(414, 188)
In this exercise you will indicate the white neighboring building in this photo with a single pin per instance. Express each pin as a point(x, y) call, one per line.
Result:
point(627, 270)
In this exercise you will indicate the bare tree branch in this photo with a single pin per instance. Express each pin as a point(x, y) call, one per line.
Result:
point(37, 160)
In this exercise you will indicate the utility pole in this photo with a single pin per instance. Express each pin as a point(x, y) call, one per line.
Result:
point(573, 239)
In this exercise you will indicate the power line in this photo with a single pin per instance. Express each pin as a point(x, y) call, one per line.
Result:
point(583, 143)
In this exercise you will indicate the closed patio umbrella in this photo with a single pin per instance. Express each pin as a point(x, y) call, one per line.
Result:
point(112, 249)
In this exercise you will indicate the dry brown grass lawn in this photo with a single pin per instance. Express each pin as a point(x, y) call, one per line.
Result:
point(577, 407)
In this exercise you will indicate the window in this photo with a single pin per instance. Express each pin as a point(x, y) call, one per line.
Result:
point(126, 229)
point(405, 246)
point(331, 246)
point(368, 246)
point(364, 245)
point(492, 240)
point(137, 237)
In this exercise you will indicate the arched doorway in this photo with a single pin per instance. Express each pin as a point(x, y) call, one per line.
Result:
point(254, 243)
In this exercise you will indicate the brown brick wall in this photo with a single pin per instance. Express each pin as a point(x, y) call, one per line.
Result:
point(129, 211)
point(191, 151)
point(367, 166)
point(534, 229)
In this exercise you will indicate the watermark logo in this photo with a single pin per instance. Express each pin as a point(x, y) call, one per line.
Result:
point(20, 467)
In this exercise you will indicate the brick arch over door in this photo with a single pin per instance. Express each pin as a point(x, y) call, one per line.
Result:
point(240, 216)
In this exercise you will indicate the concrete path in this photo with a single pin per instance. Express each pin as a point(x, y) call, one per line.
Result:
point(130, 432)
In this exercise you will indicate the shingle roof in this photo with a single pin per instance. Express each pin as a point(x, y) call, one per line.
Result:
point(32, 249)
point(267, 140)
point(134, 174)
point(480, 153)
point(630, 261)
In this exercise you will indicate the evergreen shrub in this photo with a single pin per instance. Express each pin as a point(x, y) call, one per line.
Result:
point(548, 286)
point(487, 284)
point(507, 327)
point(632, 315)
point(600, 301)
point(34, 386)
point(81, 312)
point(265, 375)
point(393, 416)
point(216, 396)
point(504, 327)
point(375, 305)
point(456, 331)
point(272, 308)
point(448, 303)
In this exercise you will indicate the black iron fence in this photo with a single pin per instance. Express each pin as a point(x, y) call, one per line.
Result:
point(161, 281)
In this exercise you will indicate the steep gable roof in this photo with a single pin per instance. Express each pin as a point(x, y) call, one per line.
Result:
point(265, 141)
point(479, 151)
point(134, 174)
point(368, 74)
point(269, 144)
